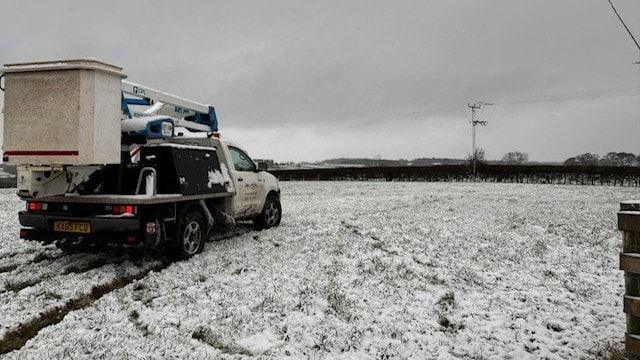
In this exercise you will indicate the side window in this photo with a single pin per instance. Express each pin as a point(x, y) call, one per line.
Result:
point(241, 161)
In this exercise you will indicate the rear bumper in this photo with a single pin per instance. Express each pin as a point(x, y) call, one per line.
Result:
point(43, 221)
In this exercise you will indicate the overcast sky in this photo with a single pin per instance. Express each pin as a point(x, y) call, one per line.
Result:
point(309, 80)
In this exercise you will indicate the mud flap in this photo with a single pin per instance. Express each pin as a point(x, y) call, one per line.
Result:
point(223, 219)
point(207, 214)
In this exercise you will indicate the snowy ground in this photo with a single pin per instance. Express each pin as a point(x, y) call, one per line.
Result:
point(356, 270)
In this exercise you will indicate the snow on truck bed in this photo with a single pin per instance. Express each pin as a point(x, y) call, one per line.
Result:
point(356, 270)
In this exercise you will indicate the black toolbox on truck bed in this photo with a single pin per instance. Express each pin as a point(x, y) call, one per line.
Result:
point(184, 169)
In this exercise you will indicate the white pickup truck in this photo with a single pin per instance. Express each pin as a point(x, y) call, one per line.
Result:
point(180, 221)
point(104, 160)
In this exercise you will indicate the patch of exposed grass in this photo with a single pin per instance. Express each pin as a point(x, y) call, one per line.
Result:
point(338, 301)
point(134, 317)
point(609, 351)
point(8, 268)
point(139, 286)
point(17, 285)
point(326, 338)
point(50, 295)
point(354, 228)
point(446, 304)
point(208, 336)
point(447, 300)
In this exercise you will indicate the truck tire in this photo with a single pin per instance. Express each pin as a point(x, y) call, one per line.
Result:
point(271, 213)
point(191, 234)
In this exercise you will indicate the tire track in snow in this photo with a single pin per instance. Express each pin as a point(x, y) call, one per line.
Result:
point(56, 265)
point(8, 262)
point(31, 290)
point(38, 258)
point(17, 337)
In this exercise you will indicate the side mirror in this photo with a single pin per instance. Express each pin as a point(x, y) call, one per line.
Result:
point(262, 166)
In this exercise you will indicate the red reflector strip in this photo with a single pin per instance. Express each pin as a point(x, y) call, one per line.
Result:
point(41, 153)
point(24, 233)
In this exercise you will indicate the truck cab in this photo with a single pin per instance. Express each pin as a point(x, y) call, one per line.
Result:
point(252, 184)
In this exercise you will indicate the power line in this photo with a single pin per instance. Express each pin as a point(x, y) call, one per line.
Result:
point(575, 95)
point(623, 24)
point(434, 110)
point(594, 94)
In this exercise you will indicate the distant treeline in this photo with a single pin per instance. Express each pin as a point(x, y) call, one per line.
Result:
point(389, 162)
point(612, 159)
point(363, 162)
point(609, 159)
point(540, 174)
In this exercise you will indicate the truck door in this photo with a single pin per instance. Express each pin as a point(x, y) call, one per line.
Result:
point(245, 176)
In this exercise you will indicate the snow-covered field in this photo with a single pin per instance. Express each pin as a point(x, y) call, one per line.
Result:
point(356, 270)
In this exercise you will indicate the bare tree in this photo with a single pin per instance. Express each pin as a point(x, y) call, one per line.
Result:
point(479, 157)
point(515, 158)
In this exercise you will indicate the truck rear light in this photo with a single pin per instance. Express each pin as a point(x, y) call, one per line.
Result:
point(152, 228)
point(36, 206)
point(124, 210)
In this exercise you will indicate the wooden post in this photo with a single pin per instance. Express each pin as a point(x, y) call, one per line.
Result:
point(629, 224)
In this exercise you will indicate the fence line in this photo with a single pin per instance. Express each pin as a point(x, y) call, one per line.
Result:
point(539, 174)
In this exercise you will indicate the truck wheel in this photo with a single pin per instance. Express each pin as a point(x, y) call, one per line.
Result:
point(271, 213)
point(191, 233)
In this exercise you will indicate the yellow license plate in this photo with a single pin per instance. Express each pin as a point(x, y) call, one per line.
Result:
point(72, 226)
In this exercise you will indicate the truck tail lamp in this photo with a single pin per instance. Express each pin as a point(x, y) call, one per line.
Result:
point(152, 228)
point(124, 210)
point(34, 206)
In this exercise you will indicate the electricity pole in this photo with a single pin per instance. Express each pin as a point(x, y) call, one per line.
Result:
point(475, 122)
point(637, 63)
